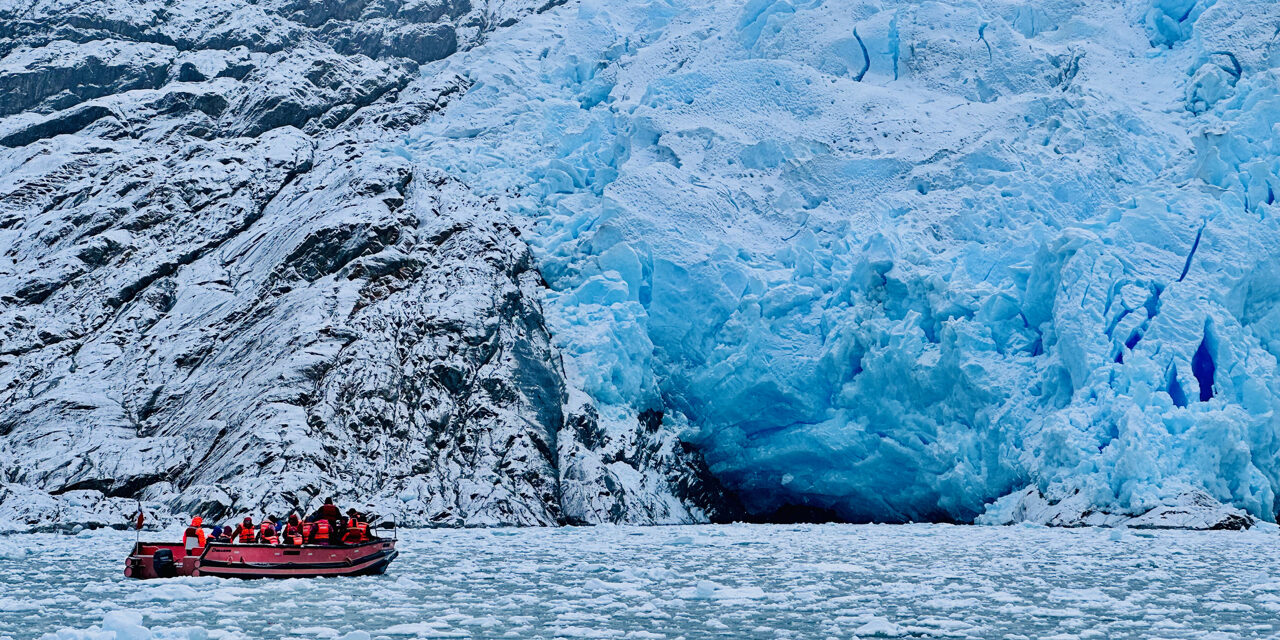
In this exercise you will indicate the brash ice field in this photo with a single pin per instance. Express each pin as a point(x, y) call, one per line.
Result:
point(740, 581)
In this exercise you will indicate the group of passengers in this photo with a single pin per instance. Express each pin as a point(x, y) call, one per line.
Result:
point(326, 526)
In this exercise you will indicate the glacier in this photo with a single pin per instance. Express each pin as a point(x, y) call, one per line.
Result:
point(510, 262)
point(892, 261)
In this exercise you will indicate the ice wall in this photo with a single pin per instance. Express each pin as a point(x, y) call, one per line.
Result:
point(898, 260)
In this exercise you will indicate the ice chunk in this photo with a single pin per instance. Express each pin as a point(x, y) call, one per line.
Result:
point(880, 628)
point(708, 590)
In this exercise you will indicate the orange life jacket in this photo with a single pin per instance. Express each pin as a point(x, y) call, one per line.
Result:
point(267, 534)
point(356, 531)
point(244, 534)
point(322, 531)
point(293, 535)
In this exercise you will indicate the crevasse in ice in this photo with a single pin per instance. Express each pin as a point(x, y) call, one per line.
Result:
point(899, 260)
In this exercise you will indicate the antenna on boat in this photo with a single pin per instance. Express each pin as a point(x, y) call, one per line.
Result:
point(137, 526)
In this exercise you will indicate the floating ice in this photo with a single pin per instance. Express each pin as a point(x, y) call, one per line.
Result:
point(880, 628)
point(924, 581)
point(706, 589)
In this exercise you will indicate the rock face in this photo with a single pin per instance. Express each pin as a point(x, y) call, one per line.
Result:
point(219, 293)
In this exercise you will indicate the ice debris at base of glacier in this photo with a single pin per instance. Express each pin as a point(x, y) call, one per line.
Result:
point(894, 261)
point(733, 581)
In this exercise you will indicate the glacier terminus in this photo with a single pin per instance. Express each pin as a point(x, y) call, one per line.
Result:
point(907, 261)
point(508, 262)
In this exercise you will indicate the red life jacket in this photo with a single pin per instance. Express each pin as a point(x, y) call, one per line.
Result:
point(244, 534)
point(267, 533)
point(307, 528)
point(322, 531)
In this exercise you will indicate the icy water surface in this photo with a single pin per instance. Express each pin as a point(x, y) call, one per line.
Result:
point(739, 581)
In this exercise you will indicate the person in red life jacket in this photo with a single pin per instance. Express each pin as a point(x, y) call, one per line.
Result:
point(244, 533)
point(194, 537)
point(267, 533)
point(357, 529)
point(320, 531)
point(327, 511)
point(293, 531)
point(330, 514)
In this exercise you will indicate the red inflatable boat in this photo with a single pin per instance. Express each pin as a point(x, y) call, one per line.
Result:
point(228, 560)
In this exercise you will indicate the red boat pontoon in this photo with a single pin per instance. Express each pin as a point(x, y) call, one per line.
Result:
point(228, 560)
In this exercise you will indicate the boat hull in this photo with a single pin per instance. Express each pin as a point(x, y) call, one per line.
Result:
point(264, 561)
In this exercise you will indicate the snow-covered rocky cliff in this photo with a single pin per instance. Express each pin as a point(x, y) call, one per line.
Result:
point(218, 294)
point(516, 263)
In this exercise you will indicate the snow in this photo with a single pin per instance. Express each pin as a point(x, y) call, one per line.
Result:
point(901, 260)
point(219, 296)
point(743, 581)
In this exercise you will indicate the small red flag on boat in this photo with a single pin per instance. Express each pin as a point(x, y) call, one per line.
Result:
point(141, 518)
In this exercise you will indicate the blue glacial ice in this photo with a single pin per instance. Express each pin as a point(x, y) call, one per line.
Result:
point(901, 260)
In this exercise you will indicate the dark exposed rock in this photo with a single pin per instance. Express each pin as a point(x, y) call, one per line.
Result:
point(220, 294)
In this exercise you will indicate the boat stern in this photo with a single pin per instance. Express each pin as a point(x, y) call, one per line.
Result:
point(150, 560)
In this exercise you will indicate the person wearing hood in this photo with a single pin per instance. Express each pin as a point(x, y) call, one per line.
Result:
point(245, 532)
point(267, 531)
point(293, 533)
point(194, 537)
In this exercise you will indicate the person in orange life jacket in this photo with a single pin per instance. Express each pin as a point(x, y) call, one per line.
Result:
point(293, 531)
point(267, 532)
point(308, 530)
point(320, 530)
point(244, 533)
point(330, 514)
point(194, 537)
point(357, 530)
